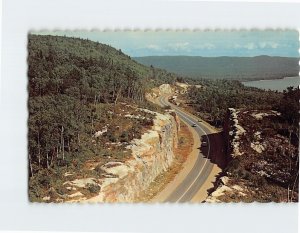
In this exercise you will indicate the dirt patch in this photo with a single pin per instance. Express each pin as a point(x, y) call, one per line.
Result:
point(185, 142)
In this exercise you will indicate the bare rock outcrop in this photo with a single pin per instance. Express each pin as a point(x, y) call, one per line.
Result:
point(152, 154)
point(263, 160)
point(158, 91)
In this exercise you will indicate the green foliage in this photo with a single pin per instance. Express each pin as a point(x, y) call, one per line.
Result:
point(38, 185)
point(73, 83)
point(69, 79)
point(289, 105)
point(124, 137)
point(218, 95)
point(93, 188)
point(112, 137)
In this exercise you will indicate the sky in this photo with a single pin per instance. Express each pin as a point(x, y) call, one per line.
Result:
point(243, 43)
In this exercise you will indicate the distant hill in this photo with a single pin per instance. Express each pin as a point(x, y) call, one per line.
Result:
point(240, 68)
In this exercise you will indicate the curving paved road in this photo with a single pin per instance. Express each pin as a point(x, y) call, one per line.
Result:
point(202, 168)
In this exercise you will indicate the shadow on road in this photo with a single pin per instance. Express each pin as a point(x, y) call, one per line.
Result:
point(217, 154)
point(215, 144)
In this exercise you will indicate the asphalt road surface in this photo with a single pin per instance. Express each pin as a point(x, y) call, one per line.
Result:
point(202, 167)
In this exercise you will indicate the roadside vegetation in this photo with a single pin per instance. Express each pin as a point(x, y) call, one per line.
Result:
point(84, 108)
point(216, 96)
point(268, 162)
point(83, 100)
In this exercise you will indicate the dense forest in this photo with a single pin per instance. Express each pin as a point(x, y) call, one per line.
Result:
point(213, 101)
point(73, 84)
point(279, 136)
point(237, 68)
point(216, 96)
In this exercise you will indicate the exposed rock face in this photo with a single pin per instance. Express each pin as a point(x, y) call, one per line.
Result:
point(264, 162)
point(177, 88)
point(158, 91)
point(151, 155)
point(234, 131)
point(183, 87)
point(165, 89)
point(226, 188)
point(151, 96)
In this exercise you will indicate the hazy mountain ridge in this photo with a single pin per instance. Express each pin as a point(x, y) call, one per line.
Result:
point(239, 68)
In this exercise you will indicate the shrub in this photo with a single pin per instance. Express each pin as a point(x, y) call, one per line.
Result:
point(35, 190)
point(257, 181)
point(61, 190)
point(61, 162)
point(124, 137)
point(106, 153)
point(44, 179)
point(233, 165)
point(121, 154)
point(98, 169)
point(112, 138)
point(93, 188)
point(147, 122)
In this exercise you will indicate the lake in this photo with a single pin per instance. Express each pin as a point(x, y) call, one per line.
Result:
point(274, 84)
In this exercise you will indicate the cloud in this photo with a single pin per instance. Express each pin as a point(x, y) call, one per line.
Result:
point(250, 46)
point(258, 45)
point(270, 44)
point(187, 47)
point(179, 46)
point(153, 47)
point(206, 46)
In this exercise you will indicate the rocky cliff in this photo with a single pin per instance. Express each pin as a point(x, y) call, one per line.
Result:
point(152, 154)
point(167, 89)
point(163, 89)
point(233, 132)
point(263, 161)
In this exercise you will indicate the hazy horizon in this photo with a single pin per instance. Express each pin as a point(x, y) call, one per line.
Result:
point(263, 55)
point(235, 43)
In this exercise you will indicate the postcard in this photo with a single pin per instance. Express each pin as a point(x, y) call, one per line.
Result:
point(163, 116)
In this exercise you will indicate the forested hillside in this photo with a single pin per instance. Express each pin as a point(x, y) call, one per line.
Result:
point(237, 68)
point(261, 131)
point(87, 102)
point(74, 87)
point(213, 101)
point(216, 96)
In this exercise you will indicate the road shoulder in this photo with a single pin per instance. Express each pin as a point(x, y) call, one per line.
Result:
point(186, 168)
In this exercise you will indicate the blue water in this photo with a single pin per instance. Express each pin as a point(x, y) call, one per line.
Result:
point(274, 84)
